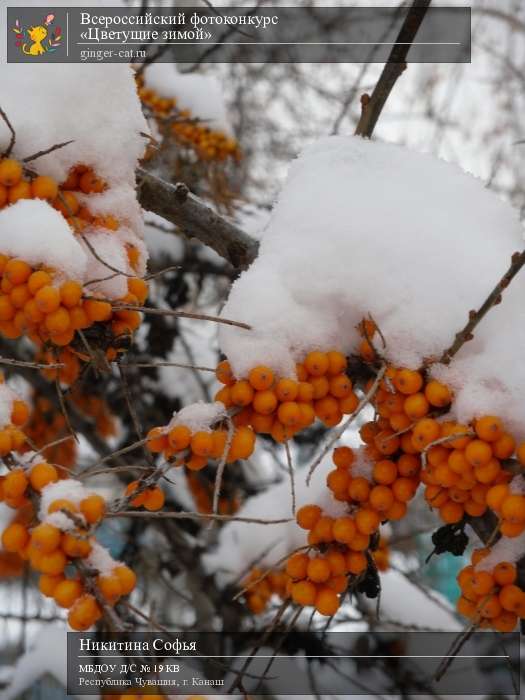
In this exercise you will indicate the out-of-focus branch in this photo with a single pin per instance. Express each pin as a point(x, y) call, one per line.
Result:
point(396, 64)
point(195, 219)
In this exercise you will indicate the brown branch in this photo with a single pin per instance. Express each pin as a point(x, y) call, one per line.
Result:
point(11, 144)
point(180, 314)
point(184, 515)
point(45, 152)
point(395, 65)
point(195, 219)
point(494, 298)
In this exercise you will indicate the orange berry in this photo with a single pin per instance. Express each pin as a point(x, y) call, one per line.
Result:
point(451, 512)
point(466, 608)
point(368, 432)
point(408, 465)
point(84, 613)
point(487, 473)
point(478, 453)
point(265, 402)
point(97, 310)
point(387, 442)
point(344, 529)
point(307, 516)
point(416, 406)
point(505, 621)
point(47, 584)
point(19, 412)
point(474, 509)
point(43, 187)
point(42, 474)
point(404, 489)
point(490, 607)
point(399, 422)
point(318, 570)
point(397, 512)
point(202, 443)
point(110, 587)
point(316, 363)
point(157, 440)
point(67, 592)
point(320, 386)
point(10, 172)
point(338, 481)
point(261, 378)
point(336, 362)
point(15, 482)
point(356, 563)
point(458, 462)
point(504, 573)
point(367, 521)
point(340, 386)
point(304, 593)
point(327, 409)
point(224, 373)
point(219, 438)
point(360, 543)
point(60, 504)
point(297, 565)
point(89, 183)
point(437, 394)
point(7, 310)
point(17, 271)
point(70, 294)
point(408, 381)
point(45, 537)
point(289, 414)
point(47, 299)
point(326, 601)
point(520, 453)
point(93, 508)
point(22, 190)
point(339, 583)
point(179, 437)
point(337, 562)
point(381, 498)
point(242, 393)
point(504, 446)
point(154, 499)
point(126, 577)
point(513, 508)
point(482, 583)
point(323, 529)
point(52, 563)
point(489, 428)
point(385, 472)
point(343, 457)
point(512, 598)
point(359, 489)
point(349, 404)
point(426, 431)
point(58, 321)
point(15, 537)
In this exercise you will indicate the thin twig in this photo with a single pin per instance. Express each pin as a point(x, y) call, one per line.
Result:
point(291, 474)
point(181, 314)
point(30, 365)
point(38, 154)
point(221, 466)
point(337, 433)
point(186, 515)
point(12, 141)
point(169, 364)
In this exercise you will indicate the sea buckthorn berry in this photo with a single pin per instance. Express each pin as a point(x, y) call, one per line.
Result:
point(482, 583)
point(47, 584)
point(381, 498)
point(343, 457)
point(297, 565)
point(60, 504)
point(75, 546)
point(366, 350)
point(323, 529)
point(52, 563)
point(242, 393)
point(17, 271)
point(416, 406)
point(97, 310)
point(451, 512)
point(318, 570)
point(289, 414)
point(496, 495)
point(67, 592)
point(359, 489)
point(265, 402)
point(437, 394)
point(397, 512)
point(93, 508)
point(304, 593)
point(344, 529)
point(179, 437)
point(307, 414)
point(426, 431)
point(385, 472)
point(154, 499)
point(45, 537)
point(489, 428)
point(127, 578)
point(41, 475)
point(349, 403)
point(367, 521)
point(326, 601)
point(487, 473)
point(157, 440)
point(340, 386)
point(478, 453)
point(307, 516)
point(10, 172)
point(15, 537)
point(110, 587)
point(520, 453)
point(336, 362)
point(256, 603)
point(338, 481)
point(513, 508)
point(58, 321)
point(327, 410)
point(505, 622)
point(408, 381)
point(512, 599)
point(242, 445)
point(504, 446)
point(320, 386)
point(458, 462)
point(84, 613)
point(404, 489)
point(368, 432)
point(261, 378)
point(316, 363)
point(338, 584)
point(15, 483)
point(504, 573)
point(89, 183)
point(387, 442)
point(337, 562)
point(490, 607)
point(47, 299)
point(408, 465)
point(19, 412)
point(224, 373)
point(219, 439)
point(44, 187)
point(356, 563)
point(70, 294)
point(202, 443)
point(21, 190)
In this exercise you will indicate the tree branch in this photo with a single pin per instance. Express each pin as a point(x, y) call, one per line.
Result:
point(175, 203)
point(393, 68)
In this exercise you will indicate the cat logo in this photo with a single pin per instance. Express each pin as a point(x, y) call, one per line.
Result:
point(36, 41)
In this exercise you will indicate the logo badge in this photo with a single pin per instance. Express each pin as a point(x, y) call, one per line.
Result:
point(39, 39)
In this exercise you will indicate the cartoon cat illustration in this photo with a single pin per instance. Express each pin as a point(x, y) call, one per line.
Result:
point(37, 35)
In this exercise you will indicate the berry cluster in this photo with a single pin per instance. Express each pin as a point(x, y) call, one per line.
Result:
point(202, 493)
point(149, 497)
point(45, 426)
point(262, 587)
point(489, 595)
point(282, 407)
point(208, 144)
point(194, 450)
point(39, 301)
point(12, 437)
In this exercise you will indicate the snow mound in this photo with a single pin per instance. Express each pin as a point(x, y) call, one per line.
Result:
point(201, 94)
point(100, 559)
point(364, 228)
point(37, 233)
point(198, 416)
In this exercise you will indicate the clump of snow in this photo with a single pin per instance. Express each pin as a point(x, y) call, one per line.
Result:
point(364, 228)
point(198, 416)
point(7, 396)
point(517, 485)
point(362, 465)
point(108, 248)
point(201, 94)
point(100, 559)
point(35, 232)
point(95, 106)
point(70, 489)
point(509, 549)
